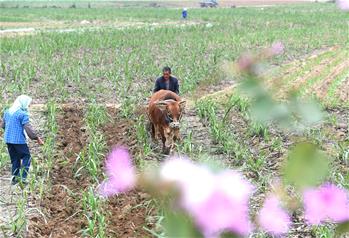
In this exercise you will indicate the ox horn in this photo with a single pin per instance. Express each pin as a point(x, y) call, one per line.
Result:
point(182, 105)
point(161, 104)
point(170, 100)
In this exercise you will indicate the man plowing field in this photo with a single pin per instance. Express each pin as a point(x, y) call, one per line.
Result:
point(166, 82)
point(164, 111)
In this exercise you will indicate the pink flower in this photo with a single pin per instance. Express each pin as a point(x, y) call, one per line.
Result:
point(220, 213)
point(120, 171)
point(226, 207)
point(277, 48)
point(326, 202)
point(343, 4)
point(273, 218)
point(245, 62)
point(177, 169)
point(233, 184)
point(216, 202)
point(195, 181)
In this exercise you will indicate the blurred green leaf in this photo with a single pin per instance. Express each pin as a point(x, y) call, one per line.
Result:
point(305, 166)
point(310, 112)
point(342, 229)
point(306, 112)
point(296, 114)
point(261, 110)
point(177, 224)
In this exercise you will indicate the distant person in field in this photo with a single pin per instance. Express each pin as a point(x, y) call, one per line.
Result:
point(15, 122)
point(184, 13)
point(166, 81)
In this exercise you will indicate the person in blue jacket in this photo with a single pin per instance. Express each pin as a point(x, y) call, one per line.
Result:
point(184, 13)
point(166, 81)
point(15, 122)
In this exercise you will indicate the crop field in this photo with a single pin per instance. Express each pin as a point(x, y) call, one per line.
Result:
point(91, 70)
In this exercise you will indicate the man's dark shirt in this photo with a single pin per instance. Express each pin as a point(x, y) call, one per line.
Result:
point(171, 84)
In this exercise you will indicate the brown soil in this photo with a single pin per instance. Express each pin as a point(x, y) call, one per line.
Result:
point(215, 90)
point(128, 222)
point(321, 89)
point(315, 71)
point(127, 214)
point(295, 65)
point(119, 131)
point(61, 205)
point(343, 91)
point(330, 136)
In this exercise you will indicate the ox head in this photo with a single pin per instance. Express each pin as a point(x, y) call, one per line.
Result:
point(173, 111)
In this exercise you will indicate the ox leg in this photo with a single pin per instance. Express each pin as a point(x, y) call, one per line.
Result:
point(152, 131)
point(165, 150)
point(156, 132)
point(177, 136)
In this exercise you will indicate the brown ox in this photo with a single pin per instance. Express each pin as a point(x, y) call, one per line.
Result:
point(165, 110)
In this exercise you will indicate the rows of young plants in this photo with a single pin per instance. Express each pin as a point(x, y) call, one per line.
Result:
point(38, 180)
point(258, 163)
point(113, 64)
point(121, 65)
point(321, 76)
point(90, 160)
point(294, 71)
point(251, 98)
point(88, 163)
point(248, 144)
point(296, 11)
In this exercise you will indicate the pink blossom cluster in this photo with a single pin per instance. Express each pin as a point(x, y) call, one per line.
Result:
point(326, 203)
point(343, 4)
point(120, 171)
point(273, 218)
point(249, 62)
point(218, 202)
point(277, 48)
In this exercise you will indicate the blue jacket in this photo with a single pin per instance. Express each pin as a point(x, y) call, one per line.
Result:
point(172, 86)
point(184, 14)
point(14, 127)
